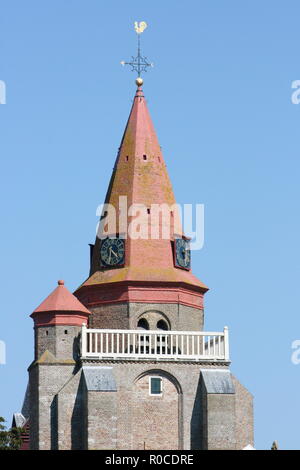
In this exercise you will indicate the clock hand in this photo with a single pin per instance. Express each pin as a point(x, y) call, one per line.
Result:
point(112, 251)
point(109, 255)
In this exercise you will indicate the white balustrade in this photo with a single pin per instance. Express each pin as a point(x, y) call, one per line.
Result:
point(154, 344)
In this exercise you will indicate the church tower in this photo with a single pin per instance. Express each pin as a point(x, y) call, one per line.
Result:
point(143, 276)
point(125, 362)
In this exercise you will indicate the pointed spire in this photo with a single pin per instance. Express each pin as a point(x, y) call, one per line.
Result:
point(140, 171)
point(140, 174)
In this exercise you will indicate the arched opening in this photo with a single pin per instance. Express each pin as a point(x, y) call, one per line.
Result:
point(162, 325)
point(162, 340)
point(143, 324)
point(156, 411)
point(143, 340)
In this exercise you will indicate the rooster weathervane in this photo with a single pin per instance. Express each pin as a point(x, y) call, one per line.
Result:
point(139, 63)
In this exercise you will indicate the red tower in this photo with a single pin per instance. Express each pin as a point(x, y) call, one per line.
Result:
point(148, 273)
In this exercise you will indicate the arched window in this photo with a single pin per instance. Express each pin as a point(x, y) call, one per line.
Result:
point(162, 325)
point(143, 324)
point(162, 340)
point(143, 340)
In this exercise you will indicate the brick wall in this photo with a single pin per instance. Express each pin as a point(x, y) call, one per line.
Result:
point(114, 316)
point(71, 414)
point(244, 415)
point(220, 422)
point(62, 341)
point(67, 416)
point(155, 418)
point(45, 382)
point(102, 420)
point(137, 413)
point(126, 316)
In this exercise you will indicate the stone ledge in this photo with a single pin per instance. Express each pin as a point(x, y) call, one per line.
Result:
point(153, 361)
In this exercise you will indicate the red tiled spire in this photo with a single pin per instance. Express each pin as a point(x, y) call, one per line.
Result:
point(141, 175)
point(140, 171)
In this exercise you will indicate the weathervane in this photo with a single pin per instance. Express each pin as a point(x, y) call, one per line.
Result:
point(139, 63)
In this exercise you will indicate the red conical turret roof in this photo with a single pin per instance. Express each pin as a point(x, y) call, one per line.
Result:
point(60, 307)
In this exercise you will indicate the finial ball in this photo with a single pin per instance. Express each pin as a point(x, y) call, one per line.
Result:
point(60, 282)
point(139, 81)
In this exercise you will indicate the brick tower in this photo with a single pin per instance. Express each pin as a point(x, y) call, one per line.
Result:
point(124, 363)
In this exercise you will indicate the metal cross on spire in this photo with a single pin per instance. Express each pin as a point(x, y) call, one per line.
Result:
point(139, 63)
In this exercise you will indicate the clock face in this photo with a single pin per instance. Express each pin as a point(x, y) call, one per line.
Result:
point(182, 253)
point(112, 252)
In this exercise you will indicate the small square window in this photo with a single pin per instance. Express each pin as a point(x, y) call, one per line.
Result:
point(155, 386)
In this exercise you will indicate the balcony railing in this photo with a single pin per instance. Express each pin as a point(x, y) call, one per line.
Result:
point(154, 344)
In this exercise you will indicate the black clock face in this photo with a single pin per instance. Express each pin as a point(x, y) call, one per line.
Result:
point(112, 252)
point(182, 253)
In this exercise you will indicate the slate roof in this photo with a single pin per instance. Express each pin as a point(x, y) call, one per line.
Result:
point(99, 379)
point(217, 381)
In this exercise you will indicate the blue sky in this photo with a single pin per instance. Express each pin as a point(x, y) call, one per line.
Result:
point(220, 98)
